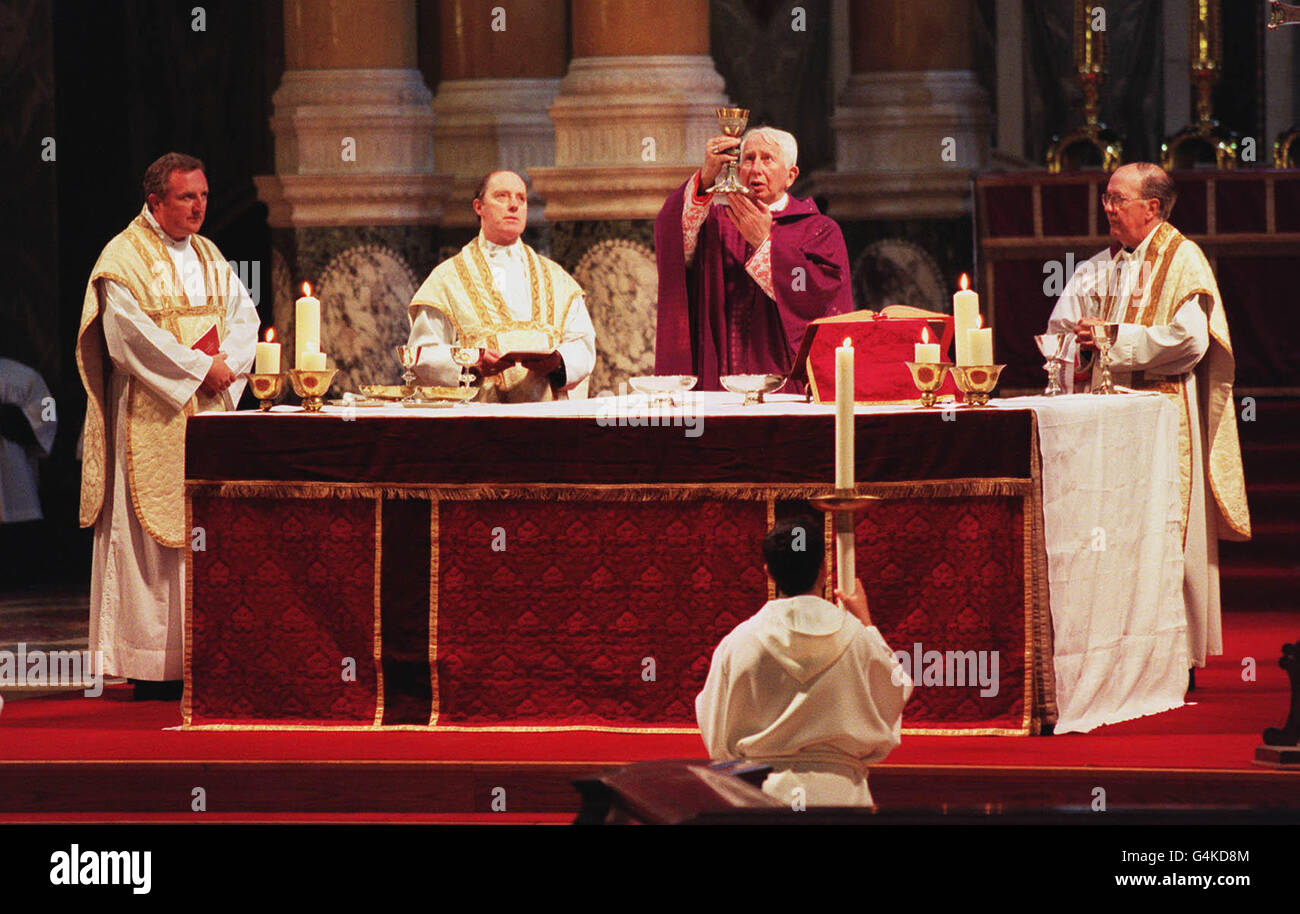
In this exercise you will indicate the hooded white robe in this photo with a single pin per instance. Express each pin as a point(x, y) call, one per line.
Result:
point(804, 686)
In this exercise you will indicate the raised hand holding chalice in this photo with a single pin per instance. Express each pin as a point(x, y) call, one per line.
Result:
point(733, 122)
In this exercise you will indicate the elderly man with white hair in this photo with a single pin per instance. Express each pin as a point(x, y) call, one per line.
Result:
point(741, 276)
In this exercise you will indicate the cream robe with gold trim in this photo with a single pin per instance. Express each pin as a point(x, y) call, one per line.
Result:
point(1173, 273)
point(463, 291)
point(141, 379)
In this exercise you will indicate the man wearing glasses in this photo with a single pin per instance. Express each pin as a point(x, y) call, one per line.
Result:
point(1156, 284)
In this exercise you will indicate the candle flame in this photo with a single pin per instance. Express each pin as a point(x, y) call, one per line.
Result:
point(979, 322)
point(270, 335)
point(965, 282)
point(848, 343)
point(306, 289)
point(925, 334)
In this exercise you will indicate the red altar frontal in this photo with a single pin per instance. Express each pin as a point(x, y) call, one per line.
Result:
point(469, 569)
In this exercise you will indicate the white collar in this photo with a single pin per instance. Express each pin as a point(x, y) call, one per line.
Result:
point(496, 251)
point(779, 204)
point(158, 229)
point(1140, 251)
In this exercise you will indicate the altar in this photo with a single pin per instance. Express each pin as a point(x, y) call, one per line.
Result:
point(572, 565)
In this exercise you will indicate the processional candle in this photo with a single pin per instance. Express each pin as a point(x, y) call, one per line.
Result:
point(844, 458)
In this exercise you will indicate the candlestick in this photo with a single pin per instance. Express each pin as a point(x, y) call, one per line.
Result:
point(268, 355)
point(844, 395)
point(966, 315)
point(307, 324)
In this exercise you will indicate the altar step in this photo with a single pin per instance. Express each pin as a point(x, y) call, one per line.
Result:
point(256, 790)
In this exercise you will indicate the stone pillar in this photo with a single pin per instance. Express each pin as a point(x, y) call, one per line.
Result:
point(631, 119)
point(354, 200)
point(912, 123)
point(499, 73)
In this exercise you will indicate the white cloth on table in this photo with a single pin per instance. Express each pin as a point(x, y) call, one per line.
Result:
point(435, 332)
point(24, 388)
point(804, 686)
point(1115, 565)
point(137, 586)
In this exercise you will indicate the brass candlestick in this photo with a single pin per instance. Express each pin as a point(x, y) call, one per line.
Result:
point(1090, 69)
point(928, 378)
point(312, 386)
point(976, 382)
point(266, 387)
point(1282, 14)
point(1206, 53)
point(842, 504)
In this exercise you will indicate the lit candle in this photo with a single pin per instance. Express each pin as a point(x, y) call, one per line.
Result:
point(925, 351)
point(844, 415)
point(268, 355)
point(307, 326)
point(966, 315)
point(979, 345)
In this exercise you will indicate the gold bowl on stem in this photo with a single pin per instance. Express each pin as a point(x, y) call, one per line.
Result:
point(312, 386)
point(977, 382)
point(928, 378)
point(266, 387)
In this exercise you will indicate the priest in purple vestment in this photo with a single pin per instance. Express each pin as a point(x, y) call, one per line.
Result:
point(738, 283)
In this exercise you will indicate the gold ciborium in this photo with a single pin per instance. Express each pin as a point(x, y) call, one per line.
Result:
point(266, 387)
point(733, 122)
point(976, 382)
point(928, 378)
point(311, 386)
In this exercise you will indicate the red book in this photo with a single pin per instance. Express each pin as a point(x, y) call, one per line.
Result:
point(209, 343)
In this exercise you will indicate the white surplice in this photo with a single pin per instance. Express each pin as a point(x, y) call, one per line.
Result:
point(804, 686)
point(24, 388)
point(1174, 351)
point(434, 331)
point(137, 586)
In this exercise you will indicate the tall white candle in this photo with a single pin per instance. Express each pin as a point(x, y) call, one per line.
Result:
point(966, 316)
point(844, 392)
point(268, 355)
point(307, 324)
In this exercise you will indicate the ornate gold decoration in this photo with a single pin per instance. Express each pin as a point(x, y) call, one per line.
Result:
point(1206, 53)
point(1090, 66)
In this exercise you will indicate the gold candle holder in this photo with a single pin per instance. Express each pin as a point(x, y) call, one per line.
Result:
point(928, 378)
point(977, 382)
point(266, 387)
point(312, 386)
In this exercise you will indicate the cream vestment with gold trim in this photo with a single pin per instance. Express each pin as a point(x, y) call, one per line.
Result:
point(1173, 338)
point(149, 298)
point(462, 292)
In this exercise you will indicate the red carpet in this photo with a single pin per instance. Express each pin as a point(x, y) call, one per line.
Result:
point(1219, 731)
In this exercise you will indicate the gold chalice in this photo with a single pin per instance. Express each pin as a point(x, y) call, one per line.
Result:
point(266, 387)
point(1105, 336)
point(312, 386)
point(976, 382)
point(408, 356)
point(733, 122)
point(928, 378)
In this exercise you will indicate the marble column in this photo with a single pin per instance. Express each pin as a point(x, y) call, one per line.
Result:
point(500, 68)
point(912, 126)
point(354, 202)
point(631, 119)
